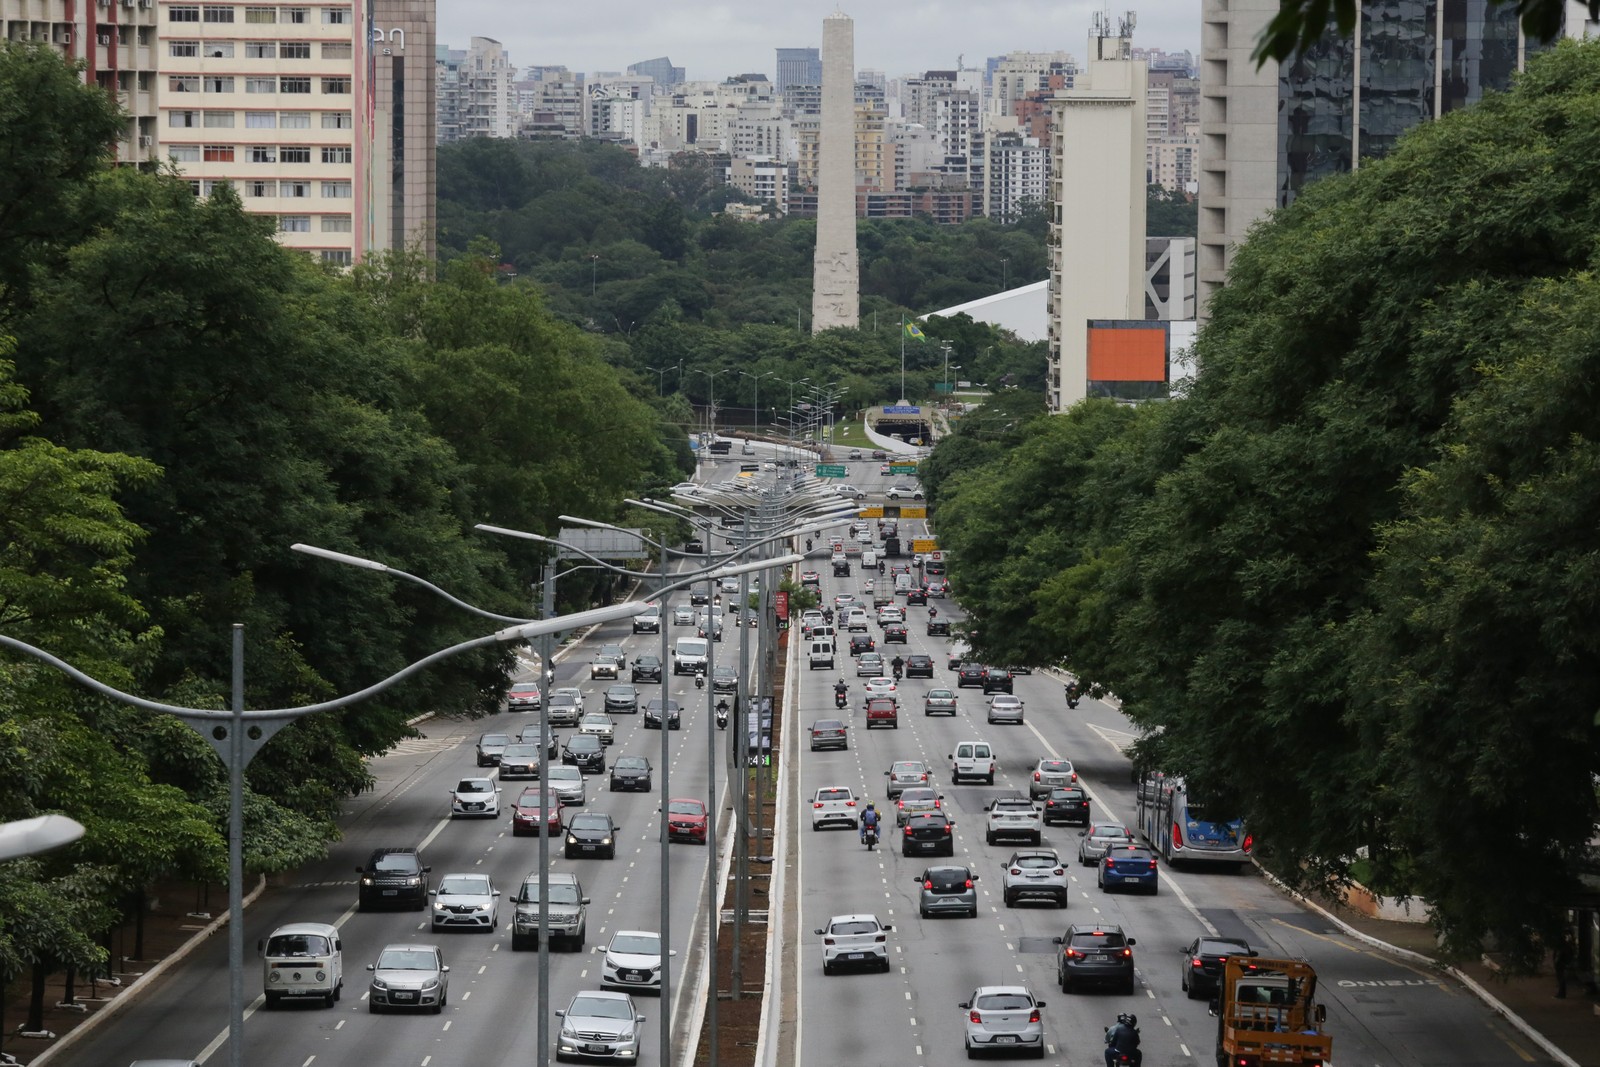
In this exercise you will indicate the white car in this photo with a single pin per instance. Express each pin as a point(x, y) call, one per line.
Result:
point(891, 613)
point(633, 961)
point(475, 796)
point(1003, 707)
point(600, 724)
point(850, 491)
point(855, 941)
point(1014, 817)
point(467, 902)
point(881, 687)
point(856, 621)
point(834, 805)
point(900, 492)
point(1003, 1018)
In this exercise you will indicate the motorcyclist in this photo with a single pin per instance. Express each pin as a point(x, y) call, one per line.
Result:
point(899, 666)
point(841, 689)
point(1123, 1040)
point(869, 820)
point(933, 612)
point(722, 714)
point(881, 567)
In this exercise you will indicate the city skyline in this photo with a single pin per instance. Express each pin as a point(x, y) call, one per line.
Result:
point(721, 39)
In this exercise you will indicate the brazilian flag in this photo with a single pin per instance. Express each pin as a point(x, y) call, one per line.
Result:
point(913, 331)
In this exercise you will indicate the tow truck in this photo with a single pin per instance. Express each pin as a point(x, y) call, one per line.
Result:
point(1267, 1014)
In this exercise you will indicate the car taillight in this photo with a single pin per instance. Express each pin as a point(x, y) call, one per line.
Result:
point(1127, 953)
point(949, 826)
point(849, 803)
point(1197, 964)
point(818, 804)
point(974, 1017)
point(1074, 776)
point(969, 883)
point(1073, 954)
point(908, 830)
point(1177, 836)
point(881, 938)
point(1033, 1016)
point(1016, 870)
point(929, 884)
point(1152, 865)
point(1059, 871)
point(1036, 776)
point(924, 777)
point(827, 941)
point(1249, 840)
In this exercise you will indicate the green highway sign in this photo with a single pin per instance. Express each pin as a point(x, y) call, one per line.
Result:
point(902, 468)
point(830, 470)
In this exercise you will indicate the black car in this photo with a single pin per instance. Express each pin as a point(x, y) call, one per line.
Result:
point(530, 736)
point(895, 633)
point(841, 568)
point(916, 595)
point(645, 669)
point(971, 674)
point(918, 665)
point(630, 773)
point(591, 833)
point(695, 545)
point(1066, 804)
point(1095, 955)
point(724, 680)
point(1202, 963)
point(490, 746)
point(585, 752)
point(995, 679)
point(930, 834)
point(393, 878)
point(860, 643)
point(652, 715)
point(938, 628)
point(699, 596)
point(622, 698)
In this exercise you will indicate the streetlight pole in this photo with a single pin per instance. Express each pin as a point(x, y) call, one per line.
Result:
point(711, 408)
point(594, 267)
point(237, 735)
point(661, 374)
point(756, 408)
point(1003, 262)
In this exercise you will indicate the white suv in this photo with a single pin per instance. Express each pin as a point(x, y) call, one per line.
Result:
point(855, 941)
point(834, 805)
point(1034, 873)
point(1013, 816)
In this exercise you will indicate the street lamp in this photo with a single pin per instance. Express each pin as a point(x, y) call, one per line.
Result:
point(660, 373)
point(1003, 261)
point(594, 267)
point(30, 837)
point(237, 736)
point(756, 407)
point(711, 407)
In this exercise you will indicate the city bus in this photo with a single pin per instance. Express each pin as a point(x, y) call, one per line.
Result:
point(1181, 832)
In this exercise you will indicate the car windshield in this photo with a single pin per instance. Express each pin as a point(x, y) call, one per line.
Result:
point(464, 885)
point(685, 807)
point(298, 945)
point(908, 767)
point(911, 796)
point(520, 751)
point(525, 687)
point(600, 1008)
point(565, 774)
point(534, 802)
point(1109, 831)
point(583, 743)
point(945, 877)
point(475, 785)
point(392, 862)
point(1222, 948)
point(1003, 1002)
point(589, 822)
point(560, 893)
point(854, 926)
point(1035, 861)
point(630, 763)
point(637, 944)
point(494, 739)
point(940, 694)
point(1066, 794)
point(406, 959)
point(833, 794)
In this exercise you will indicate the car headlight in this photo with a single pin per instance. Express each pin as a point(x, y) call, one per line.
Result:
point(366, 881)
point(432, 983)
point(322, 976)
point(273, 977)
point(413, 882)
point(568, 1033)
point(605, 841)
point(380, 985)
point(438, 906)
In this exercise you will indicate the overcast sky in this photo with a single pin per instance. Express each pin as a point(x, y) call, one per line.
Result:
point(713, 40)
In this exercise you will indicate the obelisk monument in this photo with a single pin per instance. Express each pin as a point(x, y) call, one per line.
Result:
point(836, 278)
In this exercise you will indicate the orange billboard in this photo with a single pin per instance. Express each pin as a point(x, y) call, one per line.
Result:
point(1127, 351)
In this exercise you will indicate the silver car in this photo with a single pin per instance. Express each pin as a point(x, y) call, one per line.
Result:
point(633, 961)
point(683, 615)
point(600, 724)
point(905, 774)
point(1035, 873)
point(1049, 774)
point(939, 702)
point(1098, 839)
point(565, 707)
point(1003, 707)
point(1003, 1018)
point(599, 1025)
point(466, 901)
point(948, 889)
point(409, 976)
point(566, 782)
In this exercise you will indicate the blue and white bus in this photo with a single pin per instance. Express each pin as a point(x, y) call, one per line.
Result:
point(1182, 832)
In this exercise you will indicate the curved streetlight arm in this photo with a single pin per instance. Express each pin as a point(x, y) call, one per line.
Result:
point(30, 837)
point(526, 536)
point(800, 531)
point(383, 568)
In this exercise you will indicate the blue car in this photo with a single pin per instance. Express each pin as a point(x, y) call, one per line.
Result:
point(1128, 867)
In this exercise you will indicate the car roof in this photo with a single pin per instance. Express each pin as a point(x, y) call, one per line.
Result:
point(325, 929)
point(993, 990)
point(603, 994)
point(865, 916)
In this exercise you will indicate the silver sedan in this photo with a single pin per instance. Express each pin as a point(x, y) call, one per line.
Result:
point(1004, 1018)
point(1003, 707)
point(939, 702)
point(1098, 839)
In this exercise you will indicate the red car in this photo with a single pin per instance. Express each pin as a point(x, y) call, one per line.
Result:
point(686, 820)
point(883, 711)
point(531, 810)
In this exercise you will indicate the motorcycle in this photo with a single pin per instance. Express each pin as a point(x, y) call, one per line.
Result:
point(1072, 696)
point(898, 670)
point(1117, 1058)
point(841, 697)
point(722, 715)
point(870, 837)
point(699, 679)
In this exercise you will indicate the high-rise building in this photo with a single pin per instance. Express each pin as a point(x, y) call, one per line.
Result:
point(554, 106)
point(661, 69)
point(1015, 169)
point(396, 151)
point(1014, 75)
point(802, 100)
point(798, 66)
point(477, 94)
point(1266, 133)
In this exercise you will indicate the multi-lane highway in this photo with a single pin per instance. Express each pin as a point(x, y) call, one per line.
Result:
point(1381, 1011)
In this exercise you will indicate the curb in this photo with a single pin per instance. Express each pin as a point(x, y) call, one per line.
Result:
point(772, 991)
point(1489, 999)
point(145, 981)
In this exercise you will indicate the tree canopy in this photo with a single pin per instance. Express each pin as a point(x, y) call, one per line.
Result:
point(1299, 24)
point(1344, 584)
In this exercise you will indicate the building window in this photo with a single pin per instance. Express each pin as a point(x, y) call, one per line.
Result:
point(294, 223)
point(219, 49)
point(194, 185)
point(294, 50)
point(218, 13)
point(218, 153)
point(184, 13)
point(294, 120)
point(263, 153)
point(183, 49)
point(336, 86)
point(261, 15)
point(219, 85)
point(293, 154)
point(336, 190)
point(261, 120)
point(337, 120)
point(294, 85)
point(297, 14)
point(183, 119)
point(260, 49)
point(186, 84)
point(219, 120)
point(209, 185)
point(261, 187)
point(339, 257)
point(336, 50)
point(184, 153)
point(298, 190)
point(337, 154)
point(261, 85)
point(336, 224)
point(335, 16)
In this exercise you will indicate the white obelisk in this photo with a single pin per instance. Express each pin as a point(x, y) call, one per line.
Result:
point(836, 279)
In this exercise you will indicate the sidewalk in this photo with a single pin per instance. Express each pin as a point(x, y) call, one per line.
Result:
point(1569, 1028)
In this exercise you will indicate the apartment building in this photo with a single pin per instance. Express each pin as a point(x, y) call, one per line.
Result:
point(798, 66)
point(1016, 169)
point(476, 91)
point(1016, 74)
point(763, 180)
point(553, 106)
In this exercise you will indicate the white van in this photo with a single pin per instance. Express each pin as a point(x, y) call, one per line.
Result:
point(822, 651)
point(972, 759)
point(689, 655)
point(302, 961)
point(903, 584)
point(869, 558)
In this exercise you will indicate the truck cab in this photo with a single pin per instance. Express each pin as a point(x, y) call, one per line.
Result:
point(1267, 1013)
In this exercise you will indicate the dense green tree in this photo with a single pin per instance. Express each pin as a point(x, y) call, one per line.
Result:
point(1171, 214)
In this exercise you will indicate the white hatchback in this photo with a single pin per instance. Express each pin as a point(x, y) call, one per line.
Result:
point(834, 805)
point(855, 941)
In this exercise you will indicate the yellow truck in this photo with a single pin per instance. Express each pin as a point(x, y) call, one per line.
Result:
point(1267, 1014)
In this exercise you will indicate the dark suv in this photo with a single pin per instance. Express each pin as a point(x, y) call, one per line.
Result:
point(919, 666)
point(1095, 955)
point(1066, 804)
point(972, 674)
point(996, 680)
point(586, 752)
point(393, 878)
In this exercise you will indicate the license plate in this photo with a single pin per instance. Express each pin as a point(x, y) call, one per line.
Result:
point(1098, 957)
point(1130, 878)
point(855, 956)
point(598, 1050)
point(404, 996)
point(633, 978)
point(390, 892)
point(590, 848)
point(1005, 1039)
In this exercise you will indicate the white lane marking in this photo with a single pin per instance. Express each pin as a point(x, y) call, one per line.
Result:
point(308, 1060)
point(466, 995)
point(1185, 1049)
point(485, 967)
point(339, 1025)
point(447, 1024)
point(425, 1060)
